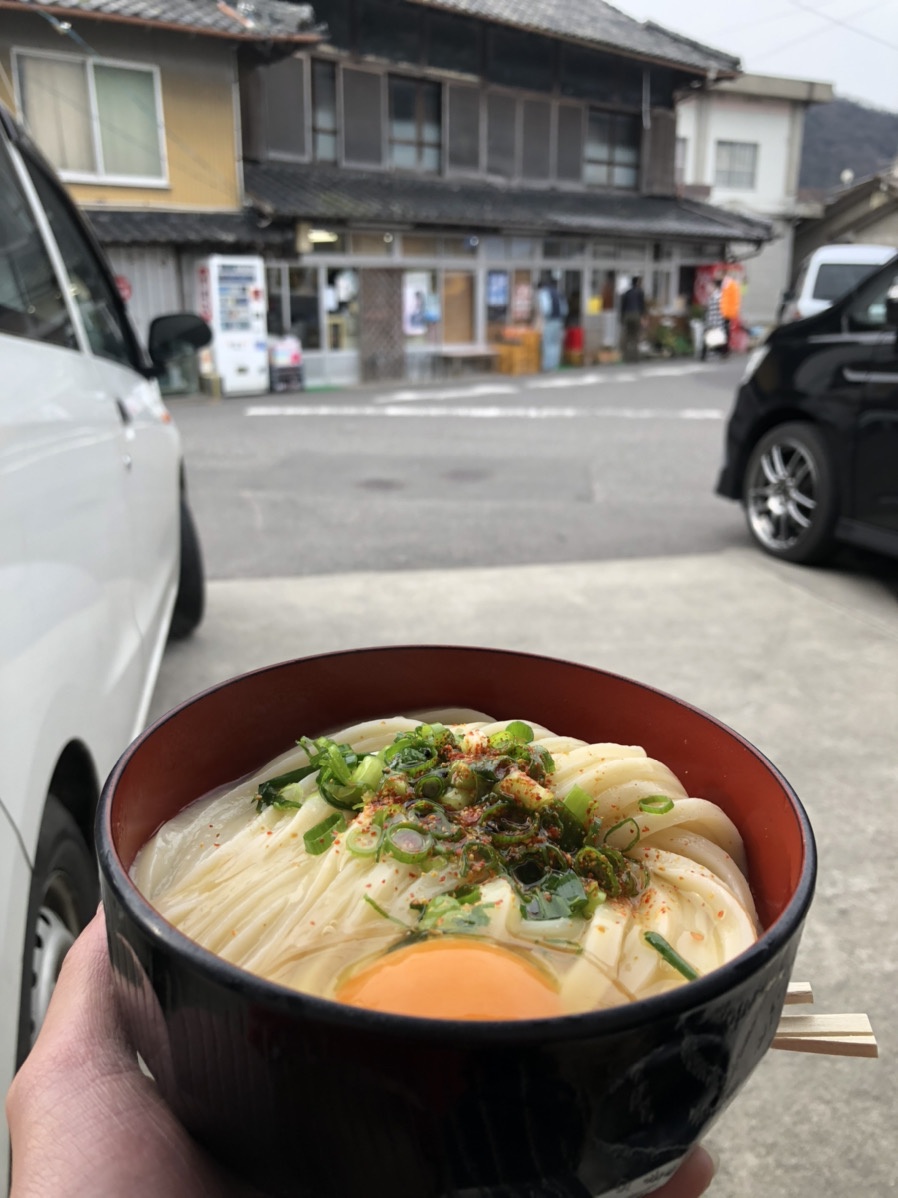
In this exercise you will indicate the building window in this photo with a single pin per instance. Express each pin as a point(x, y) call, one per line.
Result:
point(612, 149)
point(501, 135)
point(416, 134)
point(285, 109)
point(95, 120)
point(736, 164)
point(536, 160)
point(362, 117)
point(464, 128)
point(569, 152)
point(324, 111)
point(680, 152)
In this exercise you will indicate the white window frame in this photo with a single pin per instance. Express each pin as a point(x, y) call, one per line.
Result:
point(89, 61)
point(727, 141)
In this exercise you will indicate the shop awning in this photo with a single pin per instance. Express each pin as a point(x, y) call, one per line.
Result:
point(326, 195)
point(243, 231)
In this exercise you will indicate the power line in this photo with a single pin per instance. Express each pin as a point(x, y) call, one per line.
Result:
point(843, 24)
point(795, 41)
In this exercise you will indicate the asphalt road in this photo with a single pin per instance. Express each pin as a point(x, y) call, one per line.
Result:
point(579, 466)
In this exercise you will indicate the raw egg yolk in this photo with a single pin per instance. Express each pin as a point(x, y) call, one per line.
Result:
point(453, 979)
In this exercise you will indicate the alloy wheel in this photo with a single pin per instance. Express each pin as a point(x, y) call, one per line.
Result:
point(782, 495)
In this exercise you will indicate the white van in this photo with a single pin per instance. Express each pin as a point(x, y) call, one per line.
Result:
point(827, 274)
point(99, 565)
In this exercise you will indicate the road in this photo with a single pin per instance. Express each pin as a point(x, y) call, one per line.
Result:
point(580, 466)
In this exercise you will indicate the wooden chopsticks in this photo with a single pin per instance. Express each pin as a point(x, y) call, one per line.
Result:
point(834, 1035)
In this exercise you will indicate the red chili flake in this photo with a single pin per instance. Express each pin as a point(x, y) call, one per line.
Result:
point(311, 923)
point(697, 935)
point(720, 914)
point(269, 832)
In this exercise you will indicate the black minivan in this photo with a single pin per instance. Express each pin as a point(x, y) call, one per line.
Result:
point(812, 440)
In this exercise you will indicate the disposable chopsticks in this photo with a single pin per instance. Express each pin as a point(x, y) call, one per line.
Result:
point(835, 1035)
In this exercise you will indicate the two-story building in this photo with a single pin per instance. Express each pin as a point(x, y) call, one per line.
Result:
point(136, 106)
point(440, 157)
point(409, 179)
point(739, 148)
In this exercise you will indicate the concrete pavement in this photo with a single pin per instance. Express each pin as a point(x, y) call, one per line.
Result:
point(802, 662)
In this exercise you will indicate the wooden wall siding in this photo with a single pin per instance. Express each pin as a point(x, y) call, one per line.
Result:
point(381, 335)
point(197, 78)
point(659, 148)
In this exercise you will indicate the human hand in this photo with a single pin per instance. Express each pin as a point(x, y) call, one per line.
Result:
point(692, 1178)
point(86, 1123)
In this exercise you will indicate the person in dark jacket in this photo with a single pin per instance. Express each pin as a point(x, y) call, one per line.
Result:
point(632, 310)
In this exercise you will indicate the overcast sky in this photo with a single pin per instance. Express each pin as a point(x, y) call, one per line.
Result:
point(852, 44)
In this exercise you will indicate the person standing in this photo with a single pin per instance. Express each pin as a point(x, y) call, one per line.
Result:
point(632, 310)
point(553, 310)
point(716, 335)
point(730, 303)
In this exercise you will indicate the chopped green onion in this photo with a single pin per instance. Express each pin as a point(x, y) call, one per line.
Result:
point(656, 805)
point(320, 838)
point(623, 823)
point(408, 842)
point(670, 955)
point(269, 791)
point(520, 731)
point(364, 841)
point(431, 786)
point(367, 774)
point(386, 914)
point(578, 802)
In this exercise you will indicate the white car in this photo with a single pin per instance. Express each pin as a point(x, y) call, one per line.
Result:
point(99, 565)
point(827, 274)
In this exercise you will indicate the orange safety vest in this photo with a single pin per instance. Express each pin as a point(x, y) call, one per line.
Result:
point(730, 297)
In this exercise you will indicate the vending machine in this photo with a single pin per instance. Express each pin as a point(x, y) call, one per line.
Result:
point(230, 296)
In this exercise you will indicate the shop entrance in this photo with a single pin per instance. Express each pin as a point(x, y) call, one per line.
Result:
point(458, 307)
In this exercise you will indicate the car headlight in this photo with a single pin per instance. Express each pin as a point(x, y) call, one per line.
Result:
point(755, 358)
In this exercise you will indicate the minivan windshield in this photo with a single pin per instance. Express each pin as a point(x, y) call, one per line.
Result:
point(835, 278)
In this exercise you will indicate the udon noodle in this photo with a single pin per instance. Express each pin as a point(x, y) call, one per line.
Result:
point(475, 870)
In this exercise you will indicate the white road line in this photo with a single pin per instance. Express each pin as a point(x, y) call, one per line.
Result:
point(565, 380)
point(483, 412)
point(450, 393)
point(554, 382)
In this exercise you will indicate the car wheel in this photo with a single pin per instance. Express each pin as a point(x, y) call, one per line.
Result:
point(63, 899)
point(191, 600)
point(789, 494)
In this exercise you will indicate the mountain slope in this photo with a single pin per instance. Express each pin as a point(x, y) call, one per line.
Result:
point(845, 135)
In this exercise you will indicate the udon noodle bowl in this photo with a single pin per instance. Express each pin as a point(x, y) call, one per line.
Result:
point(478, 870)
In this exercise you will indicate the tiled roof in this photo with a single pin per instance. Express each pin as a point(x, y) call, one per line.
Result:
point(360, 197)
point(247, 20)
point(210, 230)
point(597, 23)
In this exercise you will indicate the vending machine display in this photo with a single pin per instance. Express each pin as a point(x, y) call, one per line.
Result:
point(231, 298)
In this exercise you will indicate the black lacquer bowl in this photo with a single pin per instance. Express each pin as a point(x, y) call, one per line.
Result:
point(312, 1099)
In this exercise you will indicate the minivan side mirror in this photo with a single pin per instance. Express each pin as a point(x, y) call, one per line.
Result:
point(166, 332)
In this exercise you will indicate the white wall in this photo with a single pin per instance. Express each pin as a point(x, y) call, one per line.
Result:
point(705, 120)
point(775, 126)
